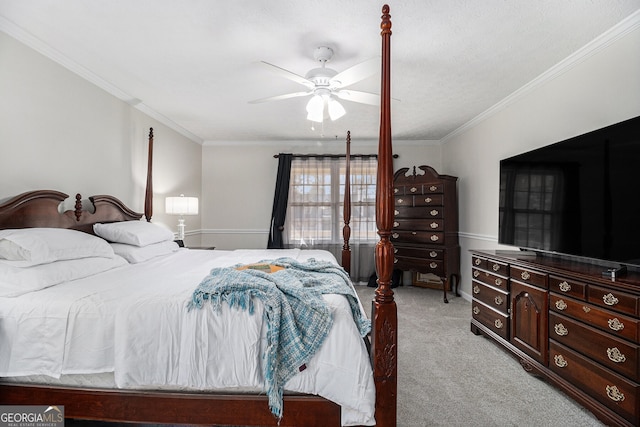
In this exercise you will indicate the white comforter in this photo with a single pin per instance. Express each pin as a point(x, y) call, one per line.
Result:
point(133, 321)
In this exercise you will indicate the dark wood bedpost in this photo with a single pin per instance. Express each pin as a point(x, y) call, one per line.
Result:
point(346, 230)
point(148, 195)
point(384, 333)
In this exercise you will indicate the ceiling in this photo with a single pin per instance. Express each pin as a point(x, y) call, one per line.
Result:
point(194, 64)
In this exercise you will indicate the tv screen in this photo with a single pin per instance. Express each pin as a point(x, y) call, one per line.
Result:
point(576, 197)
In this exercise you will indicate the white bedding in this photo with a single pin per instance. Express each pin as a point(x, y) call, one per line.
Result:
point(133, 321)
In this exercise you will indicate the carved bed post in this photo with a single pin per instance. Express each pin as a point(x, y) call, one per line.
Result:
point(148, 195)
point(346, 230)
point(384, 335)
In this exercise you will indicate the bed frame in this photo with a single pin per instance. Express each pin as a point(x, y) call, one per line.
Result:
point(41, 209)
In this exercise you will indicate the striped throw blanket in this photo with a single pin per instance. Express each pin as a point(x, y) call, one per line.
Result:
point(298, 320)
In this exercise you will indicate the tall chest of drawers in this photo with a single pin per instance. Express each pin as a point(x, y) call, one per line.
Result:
point(425, 226)
point(567, 323)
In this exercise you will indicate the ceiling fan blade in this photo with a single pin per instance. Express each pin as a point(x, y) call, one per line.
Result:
point(356, 73)
point(280, 97)
point(288, 75)
point(358, 96)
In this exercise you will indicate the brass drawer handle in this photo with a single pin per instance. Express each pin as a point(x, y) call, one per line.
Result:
point(395, 260)
point(561, 305)
point(395, 235)
point(428, 199)
point(614, 394)
point(413, 189)
point(434, 254)
point(586, 309)
point(615, 355)
point(476, 310)
point(413, 233)
point(609, 299)
point(498, 323)
point(400, 201)
point(434, 212)
point(395, 250)
point(434, 225)
point(395, 190)
point(561, 329)
point(615, 324)
point(433, 188)
point(396, 212)
point(498, 282)
point(476, 273)
point(560, 361)
point(495, 267)
point(564, 286)
point(498, 300)
point(434, 238)
point(477, 261)
point(396, 224)
point(525, 275)
point(433, 265)
point(476, 289)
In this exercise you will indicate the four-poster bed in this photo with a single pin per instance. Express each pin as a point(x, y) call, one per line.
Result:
point(40, 209)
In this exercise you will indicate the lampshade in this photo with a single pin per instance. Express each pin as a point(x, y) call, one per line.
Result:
point(336, 110)
point(181, 205)
point(315, 107)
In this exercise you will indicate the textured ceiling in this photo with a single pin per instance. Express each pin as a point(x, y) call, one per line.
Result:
point(194, 63)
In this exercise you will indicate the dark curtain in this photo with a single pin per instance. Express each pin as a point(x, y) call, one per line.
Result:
point(280, 199)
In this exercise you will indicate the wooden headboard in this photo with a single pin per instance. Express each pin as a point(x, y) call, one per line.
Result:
point(41, 208)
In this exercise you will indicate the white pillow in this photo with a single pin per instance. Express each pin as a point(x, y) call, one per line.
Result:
point(15, 281)
point(137, 233)
point(26, 247)
point(136, 254)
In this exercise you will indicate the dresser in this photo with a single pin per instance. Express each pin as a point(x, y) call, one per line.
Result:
point(566, 322)
point(425, 226)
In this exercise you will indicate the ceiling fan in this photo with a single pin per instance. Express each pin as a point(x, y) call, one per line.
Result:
point(325, 85)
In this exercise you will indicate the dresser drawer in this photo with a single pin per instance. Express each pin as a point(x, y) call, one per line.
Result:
point(492, 319)
point(615, 353)
point(607, 320)
point(418, 224)
point(433, 238)
point(479, 262)
point(490, 279)
point(403, 251)
point(568, 287)
point(615, 300)
point(413, 212)
point(428, 200)
point(420, 265)
point(437, 187)
point(494, 298)
point(529, 277)
point(612, 390)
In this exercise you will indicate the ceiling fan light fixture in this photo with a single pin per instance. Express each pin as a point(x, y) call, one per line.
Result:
point(315, 109)
point(336, 110)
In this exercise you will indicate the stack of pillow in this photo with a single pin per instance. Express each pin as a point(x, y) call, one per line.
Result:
point(36, 258)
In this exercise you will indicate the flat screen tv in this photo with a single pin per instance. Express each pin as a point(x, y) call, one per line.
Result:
point(578, 197)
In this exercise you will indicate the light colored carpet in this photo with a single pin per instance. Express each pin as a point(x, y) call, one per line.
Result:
point(447, 376)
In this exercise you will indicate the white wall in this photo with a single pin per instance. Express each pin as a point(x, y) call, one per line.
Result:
point(602, 88)
point(238, 183)
point(60, 132)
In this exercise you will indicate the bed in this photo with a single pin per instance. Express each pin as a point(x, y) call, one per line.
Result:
point(172, 399)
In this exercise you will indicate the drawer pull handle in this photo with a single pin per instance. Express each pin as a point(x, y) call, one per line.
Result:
point(434, 254)
point(476, 289)
point(413, 189)
point(561, 305)
point(498, 282)
point(395, 250)
point(615, 355)
point(428, 199)
point(413, 233)
point(395, 260)
point(614, 394)
point(586, 309)
point(498, 323)
point(434, 225)
point(495, 267)
point(498, 300)
point(396, 212)
point(615, 324)
point(561, 329)
point(477, 261)
point(395, 235)
point(400, 201)
point(433, 265)
point(434, 238)
point(525, 275)
point(433, 188)
point(395, 190)
point(560, 361)
point(434, 212)
point(476, 273)
point(476, 310)
point(396, 224)
point(609, 299)
point(564, 286)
